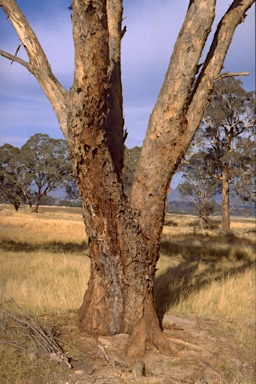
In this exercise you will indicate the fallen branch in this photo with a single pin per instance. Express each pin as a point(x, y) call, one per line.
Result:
point(185, 343)
point(16, 323)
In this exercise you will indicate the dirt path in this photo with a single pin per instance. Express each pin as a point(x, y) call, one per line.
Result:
point(200, 357)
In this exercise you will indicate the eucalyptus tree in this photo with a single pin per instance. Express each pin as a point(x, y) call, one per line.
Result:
point(124, 233)
point(47, 163)
point(227, 135)
point(11, 187)
point(245, 170)
point(199, 187)
point(29, 173)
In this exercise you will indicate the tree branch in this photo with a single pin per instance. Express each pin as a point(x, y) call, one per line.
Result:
point(167, 121)
point(231, 74)
point(201, 95)
point(14, 58)
point(114, 132)
point(38, 63)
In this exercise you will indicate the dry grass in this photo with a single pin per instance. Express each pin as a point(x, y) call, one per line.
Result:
point(204, 274)
point(47, 227)
point(44, 281)
point(229, 304)
point(44, 263)
point(209, 275)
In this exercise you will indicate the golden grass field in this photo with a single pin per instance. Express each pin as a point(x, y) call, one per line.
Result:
point(201, 274)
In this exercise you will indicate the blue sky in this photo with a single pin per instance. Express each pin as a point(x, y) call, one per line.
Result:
point(152, 28)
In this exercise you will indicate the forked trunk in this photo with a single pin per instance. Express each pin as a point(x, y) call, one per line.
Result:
point(120, 294)
point(124, 236)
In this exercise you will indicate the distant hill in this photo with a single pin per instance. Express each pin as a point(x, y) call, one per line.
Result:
point(177, 203)
point(58, 193)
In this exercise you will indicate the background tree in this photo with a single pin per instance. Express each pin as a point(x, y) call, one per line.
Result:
point(30, 173)
point(11, 190)
point(47, 162)
point(72, 191)
point(245, 170)
point(124, 234)
point(198, 187)
point(131, 159)
point(228, 124)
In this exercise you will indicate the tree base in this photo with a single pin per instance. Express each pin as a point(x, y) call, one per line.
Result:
point(145, 337)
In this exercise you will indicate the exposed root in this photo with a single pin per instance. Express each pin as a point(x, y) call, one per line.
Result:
point(145, 337)
point(162, 343)
point(137, 343)
point(185, 343)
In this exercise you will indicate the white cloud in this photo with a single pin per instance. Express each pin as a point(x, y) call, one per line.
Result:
point(148, 43)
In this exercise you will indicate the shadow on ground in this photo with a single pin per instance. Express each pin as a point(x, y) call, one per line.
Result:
point(55, 247)
point(197, 263)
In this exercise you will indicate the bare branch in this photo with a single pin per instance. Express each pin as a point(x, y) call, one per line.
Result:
point(14, 58)
point(231, 74)
point(38, 63)
point(45, 343)
point(201, 95)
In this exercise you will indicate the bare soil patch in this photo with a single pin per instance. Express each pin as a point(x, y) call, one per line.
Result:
point(200, 356)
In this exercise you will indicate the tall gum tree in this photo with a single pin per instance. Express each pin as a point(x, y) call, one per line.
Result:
point(229, 121)
point(124, 233)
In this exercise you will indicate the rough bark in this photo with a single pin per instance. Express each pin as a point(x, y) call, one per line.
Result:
point(167, 135)
point(124, 236)
point(181, 105)
point(120, 257)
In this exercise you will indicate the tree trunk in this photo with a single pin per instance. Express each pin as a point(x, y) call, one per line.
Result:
point(225, 222)
point(120, 294)
point(203, 222)
point(120, 258)
point(16, 206)
point(121, 255)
